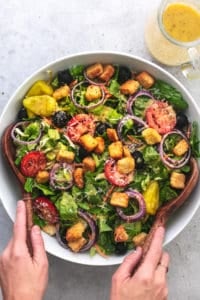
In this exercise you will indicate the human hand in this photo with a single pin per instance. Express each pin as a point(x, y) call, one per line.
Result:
point(22, 276)
point(148, 282)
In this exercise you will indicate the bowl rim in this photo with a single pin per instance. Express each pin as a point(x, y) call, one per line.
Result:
point(82, 55)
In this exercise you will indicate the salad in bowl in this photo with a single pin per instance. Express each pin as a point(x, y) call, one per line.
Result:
point(102, 147)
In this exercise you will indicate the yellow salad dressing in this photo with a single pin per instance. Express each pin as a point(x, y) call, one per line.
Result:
point(182, 22)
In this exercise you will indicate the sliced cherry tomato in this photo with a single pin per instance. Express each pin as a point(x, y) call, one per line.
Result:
point(80, 125)
point(32, 162)
point(45, 209)
point(161, 116)
point(113, 176)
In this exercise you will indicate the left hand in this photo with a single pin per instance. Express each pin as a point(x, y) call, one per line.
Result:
point(22, 276)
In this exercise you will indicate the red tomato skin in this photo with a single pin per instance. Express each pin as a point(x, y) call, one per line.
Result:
point(46, 209)
point(32, 162)
point(161, 116)
point(80, 125)
point(113, 176)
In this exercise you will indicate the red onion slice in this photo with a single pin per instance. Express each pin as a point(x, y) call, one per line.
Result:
point(170, 162)
point(99, 83)
point(135, 195)
point(125, 119)
point(132, 99)
point(59, 184)
point(87, 107)
point(20, 142)
point(92, 236)
point(93, 227)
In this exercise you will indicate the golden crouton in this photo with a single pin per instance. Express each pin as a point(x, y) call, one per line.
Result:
point(139, 239)
point(120, 234)
point(100, 146)
point(112, 134)
point(88, 142)
point(61, 92)
point(145, 79)
point(75, 232)
point(78, 177)
point(94, 71)
point(89, 164)
point(65, 156)
point(49, 229)
point(108, 71)
point(129, 87)
point(151, 136)
point(177, 180)
point(181, 148)
point(42, 177)
point(127, 152)
point(119, 199)
point(93, 92)
point(77, 245)
point(116, 150)
point(126, 165)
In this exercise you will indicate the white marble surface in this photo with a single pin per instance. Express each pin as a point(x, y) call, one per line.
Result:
point(33, 33)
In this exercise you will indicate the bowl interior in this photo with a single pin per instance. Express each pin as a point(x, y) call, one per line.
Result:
point(9, 187)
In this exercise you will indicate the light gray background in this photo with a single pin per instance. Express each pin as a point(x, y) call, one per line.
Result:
point(33, 33)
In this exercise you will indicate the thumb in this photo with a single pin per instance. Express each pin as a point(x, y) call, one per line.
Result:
point(130, 262)
point(39, 253)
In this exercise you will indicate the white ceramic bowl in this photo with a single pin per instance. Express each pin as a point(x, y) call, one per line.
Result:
point(9, 188)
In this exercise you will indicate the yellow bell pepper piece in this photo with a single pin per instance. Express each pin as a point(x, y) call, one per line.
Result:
point(30, 114)
point(40, 87)
point(43, 106)
point(151, 197)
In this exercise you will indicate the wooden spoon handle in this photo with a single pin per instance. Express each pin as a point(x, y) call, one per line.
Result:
point(165, 211)
point(29, 220)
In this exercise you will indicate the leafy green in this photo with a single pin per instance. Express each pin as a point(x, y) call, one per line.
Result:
point(162, 90)
point(67, 207)
point(141, 180)
point(106, 241)
point(150, 154)
point(114, 88)
point(194, 139)
point(20, 152)
point(132, 229)
point(140, 105)
point(102, 224)
point(170, 142)
point(107, 113)
point(29, 183)
point(77, 72)
point(167, 193)
point(55, 83)
point(45, 189)
point(38, 221)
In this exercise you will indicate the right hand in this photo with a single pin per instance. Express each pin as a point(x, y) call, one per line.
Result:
point(148, 281)
point(22, 276)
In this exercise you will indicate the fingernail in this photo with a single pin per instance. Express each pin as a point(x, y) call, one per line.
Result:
point(19, 203)
point(138, 248)
point(36, 229)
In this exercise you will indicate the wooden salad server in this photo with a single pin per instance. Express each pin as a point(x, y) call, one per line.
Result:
point(168, 209)
point(9, 152)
